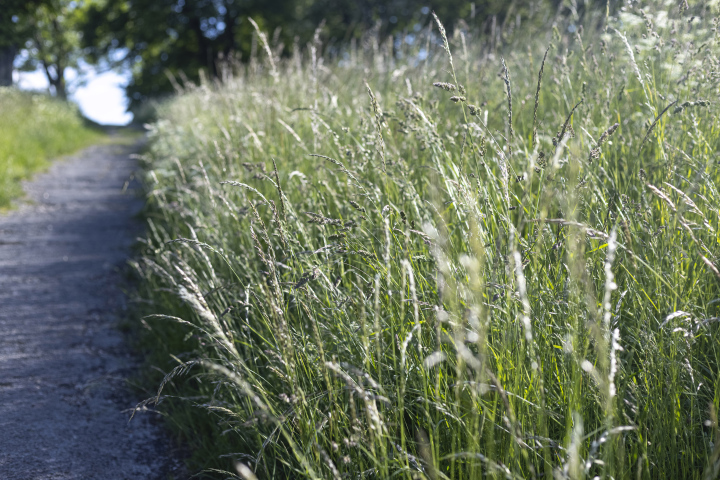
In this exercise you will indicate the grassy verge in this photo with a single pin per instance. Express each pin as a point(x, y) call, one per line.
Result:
point(34, 129)
point(352, 272)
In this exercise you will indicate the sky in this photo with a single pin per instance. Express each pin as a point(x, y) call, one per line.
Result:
point(101, 97)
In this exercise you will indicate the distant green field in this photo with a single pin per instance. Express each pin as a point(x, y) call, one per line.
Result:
point(35, 128)
point(446, 257)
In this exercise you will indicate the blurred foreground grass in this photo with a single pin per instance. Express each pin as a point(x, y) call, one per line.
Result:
point(35, 128)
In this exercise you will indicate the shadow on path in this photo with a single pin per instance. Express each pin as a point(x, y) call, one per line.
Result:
point(62, 362)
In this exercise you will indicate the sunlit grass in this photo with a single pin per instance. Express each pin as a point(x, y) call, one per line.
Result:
point(359, 276)
point(35, 128)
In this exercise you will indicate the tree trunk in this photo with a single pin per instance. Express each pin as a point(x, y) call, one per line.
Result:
point(228, 37)
point(60, 90)
point(7, 58)
point(56, 81)
point(205, 57)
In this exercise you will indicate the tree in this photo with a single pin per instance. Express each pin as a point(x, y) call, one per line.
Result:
point(155, 37)
point(13, 34)
point(53, 42)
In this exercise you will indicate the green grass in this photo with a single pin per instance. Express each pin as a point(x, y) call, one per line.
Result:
point(366, 280)
point(35, 128)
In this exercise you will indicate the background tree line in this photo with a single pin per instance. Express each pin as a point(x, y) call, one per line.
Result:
point(153, 37)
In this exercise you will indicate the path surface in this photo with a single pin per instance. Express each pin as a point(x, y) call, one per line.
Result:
point(63, 364)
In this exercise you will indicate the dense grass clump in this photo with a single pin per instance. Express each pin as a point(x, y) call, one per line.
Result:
point(446, 259)
point(33, 129)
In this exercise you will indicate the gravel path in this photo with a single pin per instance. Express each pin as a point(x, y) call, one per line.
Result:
point(63, 365)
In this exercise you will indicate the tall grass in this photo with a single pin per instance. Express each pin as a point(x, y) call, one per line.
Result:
point(33, 129)
point(446, 259)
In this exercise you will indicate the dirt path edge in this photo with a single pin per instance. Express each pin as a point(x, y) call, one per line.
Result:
point(64, 397)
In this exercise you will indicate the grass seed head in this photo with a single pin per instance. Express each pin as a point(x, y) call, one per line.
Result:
point(445, 86)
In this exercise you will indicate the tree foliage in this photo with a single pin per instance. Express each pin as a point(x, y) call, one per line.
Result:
point(158, 39)
point(53, 40)
point(13, 33)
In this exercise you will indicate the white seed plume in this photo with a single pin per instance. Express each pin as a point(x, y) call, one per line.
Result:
point(610, 284)
point(616, 347)
point(522, 289)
